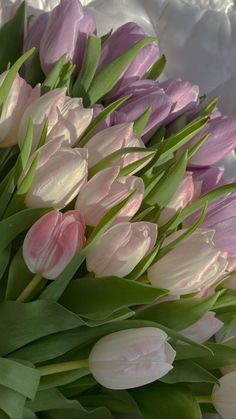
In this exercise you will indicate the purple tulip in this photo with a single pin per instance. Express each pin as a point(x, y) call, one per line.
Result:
point(119, 42)
point(62, 31)
point(185, 96)
point(145, 93)
point(209, 178)
point(221, 140)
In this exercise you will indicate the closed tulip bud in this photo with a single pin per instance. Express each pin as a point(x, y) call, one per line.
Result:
point(53, 241)
point(223, 396)
point(131, 358)
point(182, 197)
point(119, 42)
point(204, 328)
point(104, 191)
point(214, 149)
point(145, 94)
point(60, 175)
point(112, 139)
point(20, 96)
point(66, 32)
point(184, 96)
point(121, 248)
point(35, 32)
point(191, 266)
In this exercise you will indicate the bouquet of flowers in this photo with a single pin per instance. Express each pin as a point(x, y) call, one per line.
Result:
point(117, 228)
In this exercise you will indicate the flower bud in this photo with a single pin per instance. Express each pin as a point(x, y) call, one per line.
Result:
point(204, 328)
point(112, 139)
point(182, 197)
point(20, 96)
point(60, 175)
point(131, 358)
point(104, 191)
point(53, 241)
point(66, 32)
point(223, 396)
point(121, 248)
point(191, 266)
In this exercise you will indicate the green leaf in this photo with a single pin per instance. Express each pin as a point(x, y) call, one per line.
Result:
point(157, 68)
point(89, 66)
point(168, 184)
point(33, 71)
point(226, 300)
point(53, 77)
point(10, 77)
point(12, 403)
point(11, 227)
point(168, 401)
point(12, 38)
point(4, 260)
point(144, 264)
point(209, 107)
point(99, 298)
point(135, 166)
point(11, 373)
point(63, 378)
point(91, 130)
point(209, 197)
point(56, 289)
point(197, 146)
point(188, 372)
point(176, 141)
point(24, 323)
point(65, 76)
point(223, 355)
point(14, 286)
point(106, 79)
point(114, 157)
point(173, 313)
point(141, 122)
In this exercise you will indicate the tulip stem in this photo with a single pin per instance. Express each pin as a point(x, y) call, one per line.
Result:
point(63, 367)
point(31, 288)
point(204, 399)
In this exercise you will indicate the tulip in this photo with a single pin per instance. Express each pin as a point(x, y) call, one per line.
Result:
point(131, 358)
point(204, 328)
point(145, 94)
point(20, 96)
point(118, 43)
point(121, 248)
point(60, 175)
point(66, 117)
point(183, 95)
point(223, 396)
point(64, 30)
point(186, 192)
point(221, 140)
point(112, 139)
point(53, 241)
point(191, 266)
point(209, 178)
point(104, 191)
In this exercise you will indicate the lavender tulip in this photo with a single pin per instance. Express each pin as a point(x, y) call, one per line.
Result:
point(222, 139)
point(104, 191)
point(121, 248)
point(131, 358)
point(52, 241)
point(119, 42)
point(190, 267)
point(145, 94)
point(64, 30)
point(184, 96)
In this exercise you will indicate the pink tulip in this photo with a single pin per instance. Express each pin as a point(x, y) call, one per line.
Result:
point(104, 191)
point(203, 329)
point(112, 139)
point(60, 175)
point(121, 248)
point(53, 241)
point(131, 358)
point(223, 396)
point(21, 95)
point(185, 193)
point(191, 266)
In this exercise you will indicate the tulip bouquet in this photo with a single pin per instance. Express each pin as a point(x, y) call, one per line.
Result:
point(117, 228)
